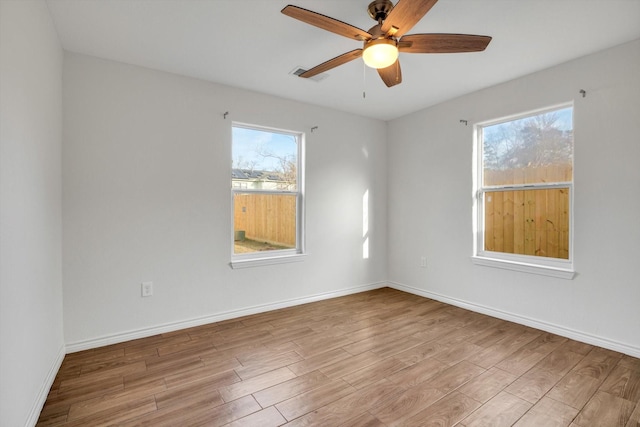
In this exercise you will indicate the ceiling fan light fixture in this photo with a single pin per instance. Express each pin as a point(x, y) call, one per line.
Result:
point(380, 53)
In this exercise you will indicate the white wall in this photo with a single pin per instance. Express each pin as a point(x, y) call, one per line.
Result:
point(31, 333)
point(146, 178)
point(430, 202)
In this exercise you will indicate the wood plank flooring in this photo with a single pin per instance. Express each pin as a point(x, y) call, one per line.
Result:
point(379, 358)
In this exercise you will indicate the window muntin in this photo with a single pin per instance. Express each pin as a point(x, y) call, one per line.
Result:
point(524, 188)
point(267, 192)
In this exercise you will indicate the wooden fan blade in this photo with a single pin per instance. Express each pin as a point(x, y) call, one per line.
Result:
point(326, 23)
point(405, 15)
point(332, 63)
point(443, 43)
point(392, 75)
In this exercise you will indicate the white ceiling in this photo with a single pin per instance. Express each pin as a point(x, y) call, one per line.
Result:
point(250, 44)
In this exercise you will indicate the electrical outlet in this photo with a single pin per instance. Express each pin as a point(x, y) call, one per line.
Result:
point(147, 289)
point(423, 261)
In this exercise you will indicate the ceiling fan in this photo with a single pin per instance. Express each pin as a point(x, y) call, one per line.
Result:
point(386, 39)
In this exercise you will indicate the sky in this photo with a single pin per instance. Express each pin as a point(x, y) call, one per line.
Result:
point(565, 120)
point(248, 143)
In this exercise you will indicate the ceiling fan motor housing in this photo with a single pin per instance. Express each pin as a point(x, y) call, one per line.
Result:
point(379, 9)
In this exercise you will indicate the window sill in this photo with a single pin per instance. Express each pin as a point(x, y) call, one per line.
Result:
point(524, 267)
point(259, 262)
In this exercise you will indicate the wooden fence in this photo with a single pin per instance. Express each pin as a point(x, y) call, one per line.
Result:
point(528, 222)
point(267, 218)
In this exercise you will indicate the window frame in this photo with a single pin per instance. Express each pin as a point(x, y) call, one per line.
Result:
point(279, 256)
point(548, 266)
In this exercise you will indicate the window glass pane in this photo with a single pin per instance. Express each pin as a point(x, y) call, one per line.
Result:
point(264, 222)
point(264, 160)
point(527, 222)
point(534, 149)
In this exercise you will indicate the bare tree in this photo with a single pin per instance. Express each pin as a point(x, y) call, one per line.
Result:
point(531, 142)
point(240, 163)
point(287, 166)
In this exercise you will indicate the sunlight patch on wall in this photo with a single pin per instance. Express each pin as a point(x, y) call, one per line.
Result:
point(365, 225)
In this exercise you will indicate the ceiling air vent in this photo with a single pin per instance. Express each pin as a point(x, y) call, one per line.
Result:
point(317, 78)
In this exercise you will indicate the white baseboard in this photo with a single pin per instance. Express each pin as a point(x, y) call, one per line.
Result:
point(174, 326)
point(32, 420)
point(527, 321)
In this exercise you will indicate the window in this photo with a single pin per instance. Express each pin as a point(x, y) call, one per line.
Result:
point(267, 193)
point(524, 191)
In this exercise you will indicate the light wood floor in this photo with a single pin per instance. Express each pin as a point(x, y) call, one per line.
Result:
point(379, 358)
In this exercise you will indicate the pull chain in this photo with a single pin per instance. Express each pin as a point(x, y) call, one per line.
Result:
point(364, 80)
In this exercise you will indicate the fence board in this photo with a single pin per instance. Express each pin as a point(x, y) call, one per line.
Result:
point(518, 222)
point(529, 222)
point(540, 223)
point(507, 223)
point(498, 222)
point(488, 222)
point(552, 223)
